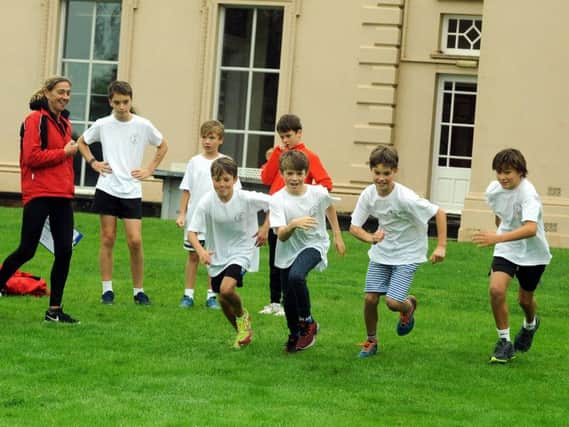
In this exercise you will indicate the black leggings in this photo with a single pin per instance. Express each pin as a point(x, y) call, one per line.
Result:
point(34, 214)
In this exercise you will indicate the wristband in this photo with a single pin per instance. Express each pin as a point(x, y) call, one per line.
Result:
point(90, 162)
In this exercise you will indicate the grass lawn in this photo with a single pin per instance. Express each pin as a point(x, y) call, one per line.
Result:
point(161, 365)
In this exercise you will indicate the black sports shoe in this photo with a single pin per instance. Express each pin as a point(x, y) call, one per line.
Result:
point(141, 298)
point(525, 337)
point(58, 315)
point(290, 345)
point(504, 352)
point(108, 297)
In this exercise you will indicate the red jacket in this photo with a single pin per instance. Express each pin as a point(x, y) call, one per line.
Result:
point(270, 173)
point(47, 172)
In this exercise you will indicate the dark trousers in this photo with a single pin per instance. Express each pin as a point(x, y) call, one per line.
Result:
point(274, 272)
point(296, 295)
point(35, 212)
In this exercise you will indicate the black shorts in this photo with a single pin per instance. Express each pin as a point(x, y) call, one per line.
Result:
point(105, 204)
point(528, 275)
point(188, 246)
point(234, 271)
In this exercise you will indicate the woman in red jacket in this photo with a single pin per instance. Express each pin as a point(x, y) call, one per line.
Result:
point(47, 181)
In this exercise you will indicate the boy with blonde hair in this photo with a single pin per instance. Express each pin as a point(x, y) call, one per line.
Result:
point(195, 184)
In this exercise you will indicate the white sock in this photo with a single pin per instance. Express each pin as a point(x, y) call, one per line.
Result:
point(137, 291)
point(107, 285)
point(189, 293)
point(504, 333)
point(531, 325)
point(210, 294)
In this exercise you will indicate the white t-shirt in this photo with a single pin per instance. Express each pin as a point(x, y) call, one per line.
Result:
point(197, 180)
point(404, 217)
point(286, 207)
point(230, 228)
point(123, 145)
point(514, 207)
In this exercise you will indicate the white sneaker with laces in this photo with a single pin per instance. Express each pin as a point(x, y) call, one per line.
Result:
point(279, 310)
point(270, 308)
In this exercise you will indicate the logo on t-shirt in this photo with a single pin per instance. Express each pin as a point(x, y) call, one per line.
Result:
point(133, 139)
point(239, 216)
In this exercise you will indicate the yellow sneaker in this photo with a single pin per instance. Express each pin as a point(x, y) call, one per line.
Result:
point(244, 331)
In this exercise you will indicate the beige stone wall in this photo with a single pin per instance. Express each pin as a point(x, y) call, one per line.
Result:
point(522, 103)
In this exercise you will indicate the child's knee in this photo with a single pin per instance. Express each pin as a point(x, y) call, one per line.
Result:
point(371, 299)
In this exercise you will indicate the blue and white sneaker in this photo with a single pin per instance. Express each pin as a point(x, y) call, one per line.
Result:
point(369, 348)
point(211, 302)
point(186, 302)
point(108, 298)
point(141, 299)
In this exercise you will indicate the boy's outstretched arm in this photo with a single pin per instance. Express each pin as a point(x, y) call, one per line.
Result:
point(439, 253)
point(488, 238)
point(360, 234)
point(205, 255)
point(336, 232)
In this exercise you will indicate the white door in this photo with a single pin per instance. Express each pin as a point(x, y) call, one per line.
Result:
point(453, 139)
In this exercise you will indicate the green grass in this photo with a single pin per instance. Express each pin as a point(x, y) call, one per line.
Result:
point(126, 365)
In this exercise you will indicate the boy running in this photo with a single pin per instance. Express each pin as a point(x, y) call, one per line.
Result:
point(228, 217)
point(520, 250)
point(298, 215)
point(399, 245)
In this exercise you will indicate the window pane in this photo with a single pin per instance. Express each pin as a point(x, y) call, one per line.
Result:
point(464, 24)
point(465, 87)
point(78, 74)
point(257, 146)
point(268, 38)
point(78, 30)
point(99, 107)
point(448, 85)
point(264, 101)
point(232, 99)
point(443, 161)
point(102, 75)
point(459, 163)
point(233, 146)
point(452, 25)
point(443, 147)
point(461, 141)
point(464, 107)
point(107, 31)
point(447, 99)
point(463, 42)
point(451, 42)
point(237, 37)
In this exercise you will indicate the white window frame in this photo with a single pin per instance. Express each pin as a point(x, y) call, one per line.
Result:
point(81, 188)
point(445, 33)
point(250, 70)
point(439, 116)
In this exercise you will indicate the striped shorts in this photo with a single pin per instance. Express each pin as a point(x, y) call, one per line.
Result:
point(391, 280)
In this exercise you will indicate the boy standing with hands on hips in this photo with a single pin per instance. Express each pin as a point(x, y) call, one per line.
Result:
point(123, 136)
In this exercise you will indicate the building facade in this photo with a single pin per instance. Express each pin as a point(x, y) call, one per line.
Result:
point(447, 82)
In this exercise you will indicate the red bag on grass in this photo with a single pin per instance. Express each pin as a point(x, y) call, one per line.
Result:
point(22, 283)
